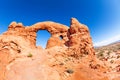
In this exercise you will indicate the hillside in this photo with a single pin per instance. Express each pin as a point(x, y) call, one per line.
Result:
point(110, 56)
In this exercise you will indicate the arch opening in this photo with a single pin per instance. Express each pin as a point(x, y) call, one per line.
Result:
point(42, 38)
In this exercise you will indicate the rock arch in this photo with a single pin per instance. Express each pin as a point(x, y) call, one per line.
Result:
point(76, 37)
point(55, 29)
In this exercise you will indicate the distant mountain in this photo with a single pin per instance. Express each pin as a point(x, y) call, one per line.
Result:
point(113, 47)
point(116, 43)
point(106, 44)
point(113, 43)
point(108, 41)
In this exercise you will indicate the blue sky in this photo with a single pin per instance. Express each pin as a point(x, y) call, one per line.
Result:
point(101, 16)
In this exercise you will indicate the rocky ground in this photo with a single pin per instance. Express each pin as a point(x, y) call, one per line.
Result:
point(110, 56)
point(70, 58)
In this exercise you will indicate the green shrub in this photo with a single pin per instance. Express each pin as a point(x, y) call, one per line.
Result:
point(100, 54)
point(29, 55)
point(108, 53)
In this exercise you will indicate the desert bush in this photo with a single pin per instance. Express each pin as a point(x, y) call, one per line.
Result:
point(29, 55)
point(108, 53)
point(70, 71)
point(118, 56)
point(100, 54)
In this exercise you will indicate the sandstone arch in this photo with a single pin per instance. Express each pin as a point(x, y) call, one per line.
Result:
point(55, 29)
point(76, 37)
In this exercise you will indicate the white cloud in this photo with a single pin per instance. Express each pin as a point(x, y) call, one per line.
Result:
point(108, 41)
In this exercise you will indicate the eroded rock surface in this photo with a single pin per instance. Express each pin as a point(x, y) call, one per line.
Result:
point(70, 58)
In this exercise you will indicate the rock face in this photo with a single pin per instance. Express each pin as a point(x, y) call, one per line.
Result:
point(79, 39)
point(69, 53)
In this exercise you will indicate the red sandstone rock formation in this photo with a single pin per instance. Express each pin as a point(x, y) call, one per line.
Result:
point(69, 58)
point(80, 41)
